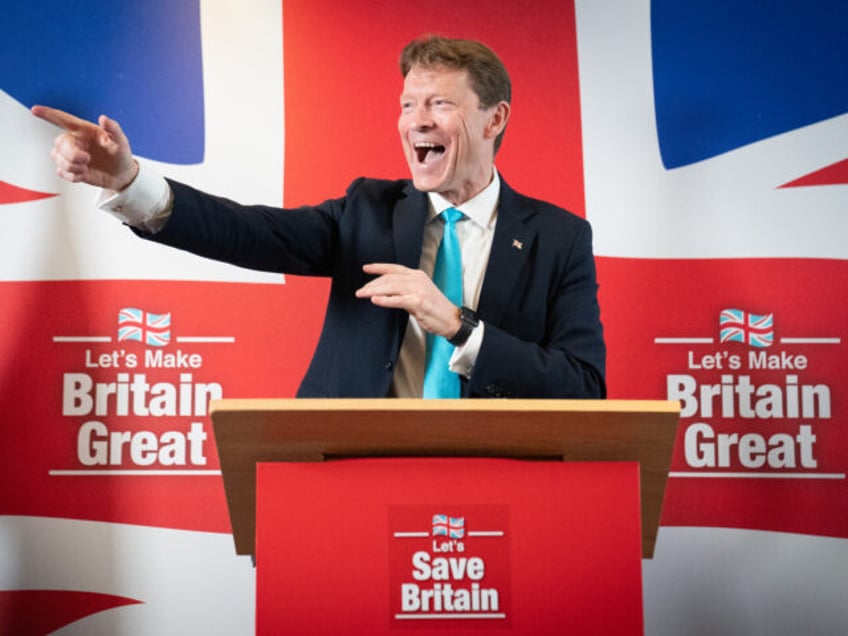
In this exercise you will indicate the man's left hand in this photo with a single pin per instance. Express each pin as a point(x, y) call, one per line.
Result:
point(399, 287)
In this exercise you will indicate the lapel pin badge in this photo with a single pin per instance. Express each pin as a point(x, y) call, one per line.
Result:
point(517, 244)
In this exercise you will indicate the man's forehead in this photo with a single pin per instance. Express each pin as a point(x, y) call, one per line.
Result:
point(439, 74)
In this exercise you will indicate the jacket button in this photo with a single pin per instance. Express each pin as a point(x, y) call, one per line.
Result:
point(388, 365)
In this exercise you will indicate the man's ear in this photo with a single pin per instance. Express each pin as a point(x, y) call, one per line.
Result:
point(498, 118)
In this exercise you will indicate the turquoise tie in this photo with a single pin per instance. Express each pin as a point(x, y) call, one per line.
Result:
point(439, 380)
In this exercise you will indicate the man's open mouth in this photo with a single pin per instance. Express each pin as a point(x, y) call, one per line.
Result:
point(427, 151)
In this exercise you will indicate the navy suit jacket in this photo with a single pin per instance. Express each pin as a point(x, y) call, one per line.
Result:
point(543, 336)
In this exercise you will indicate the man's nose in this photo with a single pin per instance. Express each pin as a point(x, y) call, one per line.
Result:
point(422, 118)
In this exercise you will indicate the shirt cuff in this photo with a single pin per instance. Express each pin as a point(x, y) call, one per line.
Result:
point(144, 204)
point(465, 356)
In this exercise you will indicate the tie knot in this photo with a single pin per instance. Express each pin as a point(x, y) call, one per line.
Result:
point(451, 215)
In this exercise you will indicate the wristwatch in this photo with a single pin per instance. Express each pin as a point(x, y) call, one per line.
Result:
point(468, 320)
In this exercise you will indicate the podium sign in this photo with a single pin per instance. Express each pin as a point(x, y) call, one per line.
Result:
point(432, 546)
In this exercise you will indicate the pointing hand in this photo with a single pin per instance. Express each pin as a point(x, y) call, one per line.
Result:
point(96, 154)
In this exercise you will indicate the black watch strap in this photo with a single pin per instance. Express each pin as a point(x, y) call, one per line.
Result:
point(468, 320)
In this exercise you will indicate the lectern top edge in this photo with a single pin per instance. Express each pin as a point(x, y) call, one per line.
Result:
point(407, 404)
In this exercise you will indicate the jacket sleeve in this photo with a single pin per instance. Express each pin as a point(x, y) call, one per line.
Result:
point(297, 241)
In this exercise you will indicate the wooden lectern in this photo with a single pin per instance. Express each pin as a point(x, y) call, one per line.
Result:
point(462, 440)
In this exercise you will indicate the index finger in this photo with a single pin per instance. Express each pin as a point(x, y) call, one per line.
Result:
point(382, 268)
point(60, 118)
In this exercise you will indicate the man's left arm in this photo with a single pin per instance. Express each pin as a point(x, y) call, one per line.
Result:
point(565, 356)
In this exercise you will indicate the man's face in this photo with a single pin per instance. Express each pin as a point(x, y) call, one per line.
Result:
point(447, 138)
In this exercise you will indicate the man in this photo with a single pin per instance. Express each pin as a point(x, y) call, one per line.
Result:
point(523, 321)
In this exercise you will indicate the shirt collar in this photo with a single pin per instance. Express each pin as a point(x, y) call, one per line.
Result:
point(481, 208)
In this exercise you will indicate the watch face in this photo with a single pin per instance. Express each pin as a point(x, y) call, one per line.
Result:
point(468, 316)
point(468, 321)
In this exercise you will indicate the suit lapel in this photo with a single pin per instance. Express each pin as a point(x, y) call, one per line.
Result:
point(409, 217)
point(511, 247)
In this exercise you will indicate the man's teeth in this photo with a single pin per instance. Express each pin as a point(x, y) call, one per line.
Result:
point(423, 148)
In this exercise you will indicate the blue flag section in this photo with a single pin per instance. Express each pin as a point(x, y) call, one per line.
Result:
point(140, 62)
point(732, 72)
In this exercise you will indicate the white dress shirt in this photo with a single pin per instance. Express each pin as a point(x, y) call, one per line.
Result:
point(474, 231)
point(146, 204)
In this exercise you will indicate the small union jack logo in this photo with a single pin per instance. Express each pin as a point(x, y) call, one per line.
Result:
point(740, 326)
point(141, 326)
point(451, 527)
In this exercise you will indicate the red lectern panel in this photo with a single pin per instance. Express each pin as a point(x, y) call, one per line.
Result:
point(430, 546)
